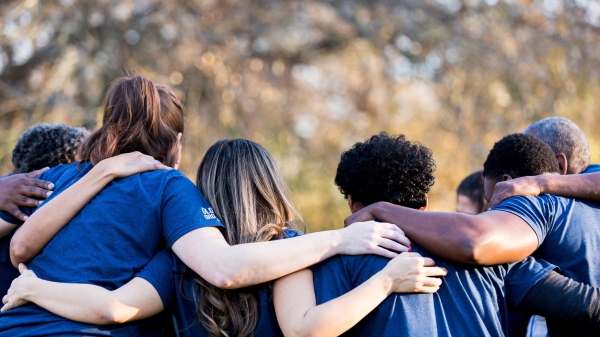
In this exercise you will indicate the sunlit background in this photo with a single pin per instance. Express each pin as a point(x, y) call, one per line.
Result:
point(307, 79)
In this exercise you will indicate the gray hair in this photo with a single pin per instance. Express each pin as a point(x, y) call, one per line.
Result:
point(563, 136)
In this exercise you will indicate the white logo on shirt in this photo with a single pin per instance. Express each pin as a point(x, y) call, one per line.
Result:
point(208, 213)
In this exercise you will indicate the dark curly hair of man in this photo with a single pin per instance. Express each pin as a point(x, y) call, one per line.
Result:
point(47, 145)
point(386, 168)
point(519, 155)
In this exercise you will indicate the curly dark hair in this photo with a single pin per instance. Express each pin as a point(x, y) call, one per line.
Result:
point(387, 168)
point(519, 155)
point(47, 145)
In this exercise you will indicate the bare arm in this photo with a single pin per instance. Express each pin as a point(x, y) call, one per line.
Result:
point(44, 223)
point(559, 297)
point(207, 253)
point(299, 315)
point(488, 238)
point(85, 303)
point(579, 186)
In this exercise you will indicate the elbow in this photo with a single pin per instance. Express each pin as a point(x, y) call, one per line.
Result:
point(472, 251)
point(301, 330)
point(19, 253)
point(114, 312)
point(223, 279)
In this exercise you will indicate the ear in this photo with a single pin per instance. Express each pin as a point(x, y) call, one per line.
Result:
point(424, 208)
point(506, 177)
point(179, 147)
point(563, 163)
point(355, 206)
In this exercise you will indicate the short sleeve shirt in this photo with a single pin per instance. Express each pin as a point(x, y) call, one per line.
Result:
point(470, 302)
point(568, 232)
point(113, 237)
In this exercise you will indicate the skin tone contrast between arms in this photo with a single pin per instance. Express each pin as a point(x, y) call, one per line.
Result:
point(246, 264)
point(299, 315)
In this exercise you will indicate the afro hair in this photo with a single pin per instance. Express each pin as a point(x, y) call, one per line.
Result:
point(519, 155)
point(47, 145)
point(386, 168)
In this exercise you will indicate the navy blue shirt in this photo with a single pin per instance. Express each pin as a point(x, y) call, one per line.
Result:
point(568, 232)
point(470, 302)
point(7, 271)
point(109, 241)
point(188, 293)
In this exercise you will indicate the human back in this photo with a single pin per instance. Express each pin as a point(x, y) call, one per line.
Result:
point(247, 192)
point(113, 237)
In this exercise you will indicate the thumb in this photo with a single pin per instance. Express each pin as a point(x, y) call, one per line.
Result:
point(36, 173)
point(22, 268)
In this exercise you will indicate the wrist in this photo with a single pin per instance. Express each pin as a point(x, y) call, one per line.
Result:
point(102, 171)
point(26, 288)
point(542, 183)
point(336, 242)
point(385, 281)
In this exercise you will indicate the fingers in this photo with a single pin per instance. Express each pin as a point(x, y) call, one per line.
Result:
point(37, 187)
point(393, 245)
point(428, 290)
point(396, 235)
point(22, 200)
point(428, 262)
point(36, 173)
point(431, 282)
point(435, 271)
point(16, 212)
point(384, 252)
point(5, 299)
point(22, 268)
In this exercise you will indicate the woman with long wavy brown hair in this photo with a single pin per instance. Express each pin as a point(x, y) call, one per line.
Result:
point(252, 202)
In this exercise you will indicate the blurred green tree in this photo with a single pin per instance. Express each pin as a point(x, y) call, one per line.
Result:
point(307, 79)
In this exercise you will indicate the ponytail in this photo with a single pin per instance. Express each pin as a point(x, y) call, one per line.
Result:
point(138, 116)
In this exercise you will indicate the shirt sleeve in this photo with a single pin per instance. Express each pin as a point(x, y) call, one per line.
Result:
point(592, 168)
point(538, 212)
point(330, 279)
point(523, 275)
point(184, 209)
point(159, 272)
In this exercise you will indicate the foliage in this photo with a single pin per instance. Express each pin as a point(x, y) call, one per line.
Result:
point(307, 79)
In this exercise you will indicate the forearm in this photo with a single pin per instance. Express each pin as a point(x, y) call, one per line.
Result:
point(485, 239)
point(557, 296)
point(340, 314)
point(78, 302)
point(43, 224)
point(248, 264)
point(579, 186)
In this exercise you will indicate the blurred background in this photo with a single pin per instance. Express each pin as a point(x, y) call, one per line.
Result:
point(307, 79)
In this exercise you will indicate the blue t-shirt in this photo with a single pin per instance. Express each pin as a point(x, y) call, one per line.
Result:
point(470, 302)
point(7, 271)
point(568, 232)
point(110, 240)
point(188, 292)
point(592, 168)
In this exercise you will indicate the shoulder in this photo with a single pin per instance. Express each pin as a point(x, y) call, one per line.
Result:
point(57, 172)
point(291, 233)
point(540, 202)
point(592, 168)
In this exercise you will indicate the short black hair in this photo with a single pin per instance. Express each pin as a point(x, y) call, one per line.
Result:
point(47, 145)
point(472, 187)
point(519, 155)
point(386, 168)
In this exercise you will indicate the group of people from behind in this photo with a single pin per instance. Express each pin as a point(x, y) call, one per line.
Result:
point(126, 245)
